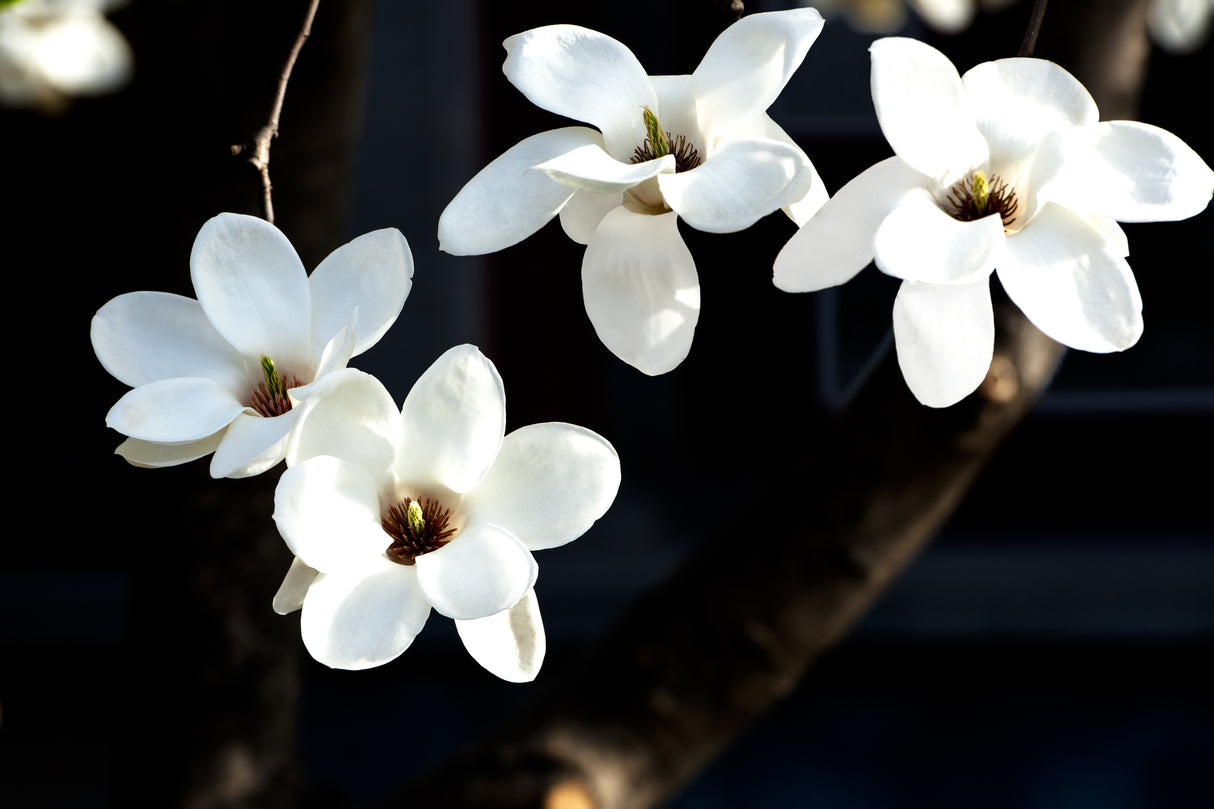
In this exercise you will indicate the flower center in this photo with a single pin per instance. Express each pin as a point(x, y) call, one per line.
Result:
point(975, 197)
point(659, 143)
point(417, 527)
point(270, 398)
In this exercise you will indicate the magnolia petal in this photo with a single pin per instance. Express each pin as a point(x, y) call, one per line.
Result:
point(145, 337)
point(677, 112)
point(1073, 283)
point(799, 211)
point(1124, 170)
point(945, 337)
point(483, 570)
point(509, 644)
point(833, 246)
point(549, 484)
point(581, 216)
point(748, 65)
point(453, 421)
point(920, 242)
point(1017, 102)
point(294, 587)
point(506, 202)
point(350, 415)
point(154, 455)
point(335, 354)
point(253, 288)
point(360, 621)
point(372, 274)
point(583, 75)
point(743, 181)
point(1112, 233)
point(174, 410)
point(252, 445)
point(327, 510)
point(641, 290)
point(590, 168)
point(922, 107)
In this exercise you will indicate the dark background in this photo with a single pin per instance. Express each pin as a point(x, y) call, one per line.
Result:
point(1051, 649)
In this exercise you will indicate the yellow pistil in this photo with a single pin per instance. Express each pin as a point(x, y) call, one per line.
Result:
point(657, 138)
point(416, 522)
point(273, 380)
point(981, 192)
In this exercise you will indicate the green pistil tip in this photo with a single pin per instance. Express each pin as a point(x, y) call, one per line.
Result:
point(273, 380)
point(982, 192)
point(416, 523)
point(657, 138)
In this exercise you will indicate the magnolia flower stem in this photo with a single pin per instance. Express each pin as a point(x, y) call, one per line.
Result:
point(1030, 35)
point(261, 143)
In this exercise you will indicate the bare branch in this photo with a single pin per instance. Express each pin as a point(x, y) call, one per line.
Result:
point(261, 143)
point(1034, 28)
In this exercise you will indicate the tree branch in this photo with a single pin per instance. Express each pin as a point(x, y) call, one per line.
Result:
point(261, 142)
point(696, 659)
point(693, 661)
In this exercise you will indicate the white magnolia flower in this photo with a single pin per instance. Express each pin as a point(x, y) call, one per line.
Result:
point(1180, 26)
point(54, 49)
point(1005, 168)
point(391, 512)
point(223, 373)
point(697, 147)
point(888, 16)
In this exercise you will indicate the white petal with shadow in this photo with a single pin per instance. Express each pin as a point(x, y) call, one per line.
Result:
point(922, 107)
point(481, 571)
point(583, 75)
point(920, 242)
point(1073, 282)
point(743, 181)
point(549, 484)
point(361, 621)
point(744, 70)
point(145, 337)
point(252, 445)
point(511, 643)
point(174, 410)
point(371, 275)
point(945, 337)
point(327, 511)
point(253, 288)
point(581, 216)
point(641, 290)
point(1124, 170)
point(453, 421)
point(837, 242)
point(506, 201)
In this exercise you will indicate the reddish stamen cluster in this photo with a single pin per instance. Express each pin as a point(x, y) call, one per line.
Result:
point(962, 205)
point(270, 404)
point(407, 543)
point(686, 157)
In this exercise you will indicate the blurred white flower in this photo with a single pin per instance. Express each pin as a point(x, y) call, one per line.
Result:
point(697, 147)
point(51, 50)
point(888, 16)
point(1180, 26)
point(1005, 168)
point(391, 512)
point(223, 373)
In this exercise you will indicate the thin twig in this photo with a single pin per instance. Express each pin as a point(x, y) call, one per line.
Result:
point(261, 143)
point(1030, 35)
